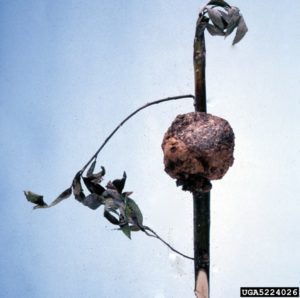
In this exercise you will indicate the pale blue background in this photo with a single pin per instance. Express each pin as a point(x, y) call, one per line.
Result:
point(70, 71)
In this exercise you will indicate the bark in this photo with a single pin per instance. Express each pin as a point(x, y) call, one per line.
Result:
point(201, 200)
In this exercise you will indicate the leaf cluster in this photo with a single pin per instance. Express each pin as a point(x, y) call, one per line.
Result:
point(119, 208)
point(221, 19)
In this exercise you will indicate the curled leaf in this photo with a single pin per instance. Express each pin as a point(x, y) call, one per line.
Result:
point(218, 3)
point(77, 188)
point(64, 195)
point(112, 193)
point(111, 218)
point(93, 201)
point(225, 18)
point(35, 199)
point(127, 193)
point(93, 187)
point(216, 18)
point(98, 177)
point(234, 17)
point(213, 30)
point(113, 203)
point(119, 183)
point(241, 31)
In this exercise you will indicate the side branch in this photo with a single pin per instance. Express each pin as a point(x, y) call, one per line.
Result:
point(130, 116)
point(155, 235)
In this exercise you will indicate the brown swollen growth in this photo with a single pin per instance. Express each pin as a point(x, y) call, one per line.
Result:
point(198, 147)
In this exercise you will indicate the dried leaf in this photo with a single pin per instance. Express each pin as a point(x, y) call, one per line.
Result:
point(127, 193)
point(234, 17)
point(233, 10)
point(76, 184)
point(112, 219)
point(241, 31)
point(103, 171)
point(91, 168)
point(213, 30)
point(97, 177)
point(93, 201)
point(112, 193)
point(225, 17)
point(64, 195)
point(77, 188)
point(120, 183)
point(80, 197)
point(218, 3)
point(113, 204)
point(215, 17)
point(93, 187)
point(35, 199)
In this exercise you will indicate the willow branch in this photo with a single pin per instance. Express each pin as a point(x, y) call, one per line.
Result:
point(155, 235)
point(201, 200)
point(199, 66)
point(127, 118)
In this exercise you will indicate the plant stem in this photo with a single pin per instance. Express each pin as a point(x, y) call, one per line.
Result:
point(201, 200)
point(155, 235)
point(127, 118)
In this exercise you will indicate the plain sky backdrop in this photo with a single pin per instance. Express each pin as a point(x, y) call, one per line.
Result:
point(69, 72)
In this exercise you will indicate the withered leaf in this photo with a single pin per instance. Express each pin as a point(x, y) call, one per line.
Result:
point(93, 201)
point(218, 3)
point(127, 193)
point(64, 195)
point(234, 17)
point(91, 169)
point(97, 177)
point(76, 184)
point(77, 188)
point(103, 171)
point(241, 31)
point(35, 199)
point(120, 183)
point(233, 10)
point(93, 187)
point(111, 218)
point(80, 197)
point(112, 193)
point(225, 17)
point(213, 30)
point(215, 17)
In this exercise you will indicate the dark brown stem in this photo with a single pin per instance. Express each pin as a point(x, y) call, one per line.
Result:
point(201, 199)
point(199, 67)
point(127, 118)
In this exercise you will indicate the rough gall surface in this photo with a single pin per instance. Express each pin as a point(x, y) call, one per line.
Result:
point(198, 147)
